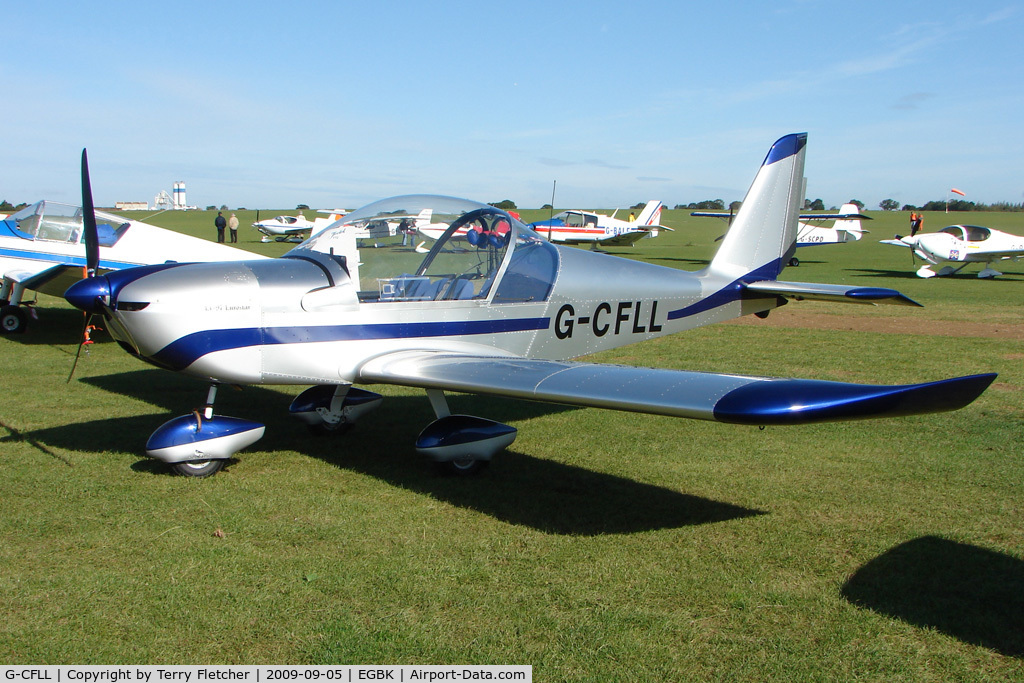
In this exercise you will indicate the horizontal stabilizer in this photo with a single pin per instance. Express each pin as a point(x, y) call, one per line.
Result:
point(677, 393)
point(834, 217)
point(800, 401)
point(803, 216)
point(811, 291)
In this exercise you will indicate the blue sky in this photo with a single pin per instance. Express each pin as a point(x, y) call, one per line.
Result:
point(337, 103)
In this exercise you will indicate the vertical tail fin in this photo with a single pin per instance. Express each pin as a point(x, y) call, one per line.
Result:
point(762, 237)
point(851, 226)
point(651, 215)
point(424, 217)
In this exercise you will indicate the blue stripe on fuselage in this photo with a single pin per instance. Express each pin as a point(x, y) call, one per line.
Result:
point(731, 292)
point(182, 352)
point(61, 259)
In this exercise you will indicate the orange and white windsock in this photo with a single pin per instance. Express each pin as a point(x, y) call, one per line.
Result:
point(956, 191)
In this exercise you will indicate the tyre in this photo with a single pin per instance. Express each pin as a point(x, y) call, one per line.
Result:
point(12, 320)
point(197, 469)
point(463, 467)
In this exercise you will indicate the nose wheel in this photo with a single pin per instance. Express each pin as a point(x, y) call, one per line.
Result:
point(197, 445)
point(198, 469)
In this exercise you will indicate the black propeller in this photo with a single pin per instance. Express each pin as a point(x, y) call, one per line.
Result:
point(89, 235)
point(92, 252)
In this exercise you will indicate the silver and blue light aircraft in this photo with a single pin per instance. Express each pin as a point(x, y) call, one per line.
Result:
point(499, 311)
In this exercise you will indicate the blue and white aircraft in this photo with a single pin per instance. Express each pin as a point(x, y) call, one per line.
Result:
point(501, 316)
point(41, 250)
point(295, 228)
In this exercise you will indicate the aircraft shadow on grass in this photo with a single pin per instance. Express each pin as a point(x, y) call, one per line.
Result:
point(970, 593)
point(58, 327)
point(519, 489)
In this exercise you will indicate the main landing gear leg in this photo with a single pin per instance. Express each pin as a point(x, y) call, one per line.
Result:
point(13, 319)
point(333, 408)
point(461, 444)
point(198, 444)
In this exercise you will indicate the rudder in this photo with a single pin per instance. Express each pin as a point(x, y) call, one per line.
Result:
point(762, 237)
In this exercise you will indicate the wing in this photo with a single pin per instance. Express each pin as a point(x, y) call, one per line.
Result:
point(707, 396)
point(53, 279)
point(625, 239)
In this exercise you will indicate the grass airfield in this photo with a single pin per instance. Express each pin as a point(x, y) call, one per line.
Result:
point(600, 546)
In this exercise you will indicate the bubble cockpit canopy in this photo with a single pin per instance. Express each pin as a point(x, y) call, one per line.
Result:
point(435, 248)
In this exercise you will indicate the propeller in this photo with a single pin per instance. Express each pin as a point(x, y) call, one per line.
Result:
point(89, 234)
point(92, 254)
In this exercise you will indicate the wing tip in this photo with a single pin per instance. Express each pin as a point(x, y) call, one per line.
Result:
point(873, 294)
point(796, 401)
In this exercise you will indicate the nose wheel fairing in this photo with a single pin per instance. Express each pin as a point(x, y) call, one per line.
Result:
point(195, 438)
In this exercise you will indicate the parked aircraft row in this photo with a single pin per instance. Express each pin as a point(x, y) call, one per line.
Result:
point(491, 308)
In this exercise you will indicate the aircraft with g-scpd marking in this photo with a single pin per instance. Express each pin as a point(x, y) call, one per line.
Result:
point(498, 311)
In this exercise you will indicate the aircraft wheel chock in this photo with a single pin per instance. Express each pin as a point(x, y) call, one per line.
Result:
point(197, 469)
point(12, 320)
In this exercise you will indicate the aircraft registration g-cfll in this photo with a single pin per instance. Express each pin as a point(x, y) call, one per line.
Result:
point(964, 244)
point(501, 318)
point(846, 228)
point(41, 250)
point(585, 227)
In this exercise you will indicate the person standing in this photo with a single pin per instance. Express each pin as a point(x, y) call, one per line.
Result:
point(233, 228)
point(220, 224)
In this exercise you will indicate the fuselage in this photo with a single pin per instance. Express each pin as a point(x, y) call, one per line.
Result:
point(966, 243)
point(305, 319)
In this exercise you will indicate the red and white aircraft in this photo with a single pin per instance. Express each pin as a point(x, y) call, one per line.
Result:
point(585, 227)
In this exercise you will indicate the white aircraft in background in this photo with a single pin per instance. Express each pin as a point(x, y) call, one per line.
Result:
point(847, 227)
point(585, 227)
point(387, 224)
point(41, 249)
point(962, 244)
point(295, 228)
point(501, 319)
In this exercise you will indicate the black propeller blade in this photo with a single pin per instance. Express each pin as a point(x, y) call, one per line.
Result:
point(92, 251)
point(89, 235)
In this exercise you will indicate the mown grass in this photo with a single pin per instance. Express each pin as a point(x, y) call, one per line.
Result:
point(601, 546)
